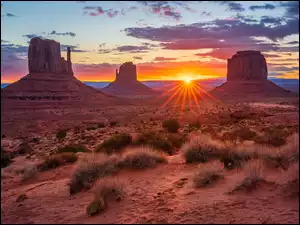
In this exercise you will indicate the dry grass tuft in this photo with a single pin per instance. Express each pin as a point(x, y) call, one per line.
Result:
point(5, 158)
point(115, 143)
point(201, 149)
point(207, 176)
point(252, 177)
point(29, 172)
point(72, 148)
point(105, 190)
point(57, 160)
point(171, 125)
point(141, 158)
point(154, 140)
point(91, 169)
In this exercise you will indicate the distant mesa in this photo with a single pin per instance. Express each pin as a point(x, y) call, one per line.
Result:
point(247, 65)
point(247, 74)
point(126, 83)
point(51, 77)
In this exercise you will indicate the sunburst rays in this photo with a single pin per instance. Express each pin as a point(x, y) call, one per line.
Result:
point(187, 94)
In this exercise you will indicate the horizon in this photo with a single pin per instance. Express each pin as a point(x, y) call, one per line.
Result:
point(173, 40)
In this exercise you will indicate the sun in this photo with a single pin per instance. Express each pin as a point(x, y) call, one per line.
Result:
point(187, 80)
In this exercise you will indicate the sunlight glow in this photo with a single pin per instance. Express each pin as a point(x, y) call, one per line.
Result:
point(186, 94)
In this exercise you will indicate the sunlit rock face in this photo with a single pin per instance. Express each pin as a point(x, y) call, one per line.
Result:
point(127, 73)
point(247, 65)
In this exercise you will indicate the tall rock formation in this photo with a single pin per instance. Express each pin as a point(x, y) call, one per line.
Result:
point(44, 57)
point(126, 83)
point(51, 78)
point(247, 75)
point(127, 73)
point(247, 65)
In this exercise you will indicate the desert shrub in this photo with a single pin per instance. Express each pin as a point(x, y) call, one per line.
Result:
point(113, 123)
point(252, 177)
point(141, 158)
point(115, 143)
point(194, 125)
point(72, 148)
point(88, 171)
point(57, 160)
point(3, 136)
point(171, 125)
point(104, 190)
point(201, 149)
point(5, 158)
point(206, 176)
point(21, 198)
point(91, 128)
point(24, 148)
point(232, 159)
point(61, 134)
point(154, 140)
point(242, 133)
point(29, 172)
point(101, 125)
point(176, 140)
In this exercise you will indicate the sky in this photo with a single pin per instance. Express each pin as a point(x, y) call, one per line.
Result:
point(167, 40)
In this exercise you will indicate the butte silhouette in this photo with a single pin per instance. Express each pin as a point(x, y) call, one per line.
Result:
point(247, 75)
point(51, 77)
point(126, 83)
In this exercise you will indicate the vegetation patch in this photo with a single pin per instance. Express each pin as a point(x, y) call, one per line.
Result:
point(177, 140)
point(202, 149)
point(206, 178)
point(57, 160)
point(115, 143)
point(5, 158)
point(154, 140)
point(141, 158)
point(72, 148)
point(88, 171)
point(171, 125)
point(104, 192)
point(61, 134)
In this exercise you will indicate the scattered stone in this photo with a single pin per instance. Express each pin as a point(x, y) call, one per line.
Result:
point(21, 198)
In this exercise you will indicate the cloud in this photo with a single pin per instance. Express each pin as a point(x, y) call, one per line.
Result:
point(137, 57)
point(265, 6)
point(3, 41)
point(132, 48)
point(292, 8)
point(98, 11)
point(205, 13)
point(164, 8)
point(272, 20)
point(163, 59)
point(293, 43)
point(226, 29)
point(10, 15)
point(233, 6)
point(74, 48)
point(71, 34)
point(30, 36)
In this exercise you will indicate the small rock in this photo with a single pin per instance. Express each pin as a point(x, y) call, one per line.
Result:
point(21, 198)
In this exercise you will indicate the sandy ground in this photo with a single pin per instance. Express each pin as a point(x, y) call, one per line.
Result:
point(160, 195)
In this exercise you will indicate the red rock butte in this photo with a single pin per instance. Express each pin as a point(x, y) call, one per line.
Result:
point(247, 74)
point(51, 77)
point(126, 82)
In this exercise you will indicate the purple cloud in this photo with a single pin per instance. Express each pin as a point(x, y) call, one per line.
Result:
point(265, 6)
point(63, 34)
point(163, 59)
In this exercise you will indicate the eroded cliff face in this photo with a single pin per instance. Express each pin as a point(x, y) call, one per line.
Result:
point(247, 65)
point(44, 57)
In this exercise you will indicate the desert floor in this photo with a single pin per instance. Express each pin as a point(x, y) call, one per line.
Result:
point(164, 193)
